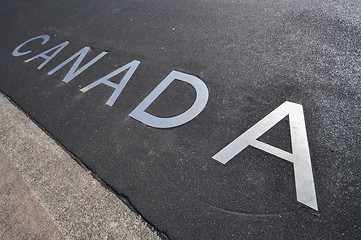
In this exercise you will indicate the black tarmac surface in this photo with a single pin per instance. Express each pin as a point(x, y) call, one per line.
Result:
point(253, 56)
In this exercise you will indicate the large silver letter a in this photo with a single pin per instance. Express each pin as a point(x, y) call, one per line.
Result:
point(300, 156)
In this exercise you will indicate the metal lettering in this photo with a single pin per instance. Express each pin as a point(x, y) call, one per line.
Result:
point(46, 57)
point(300, 156)
point(158, 122)
point(118, 87)
point(16, 52)
point(73, 72)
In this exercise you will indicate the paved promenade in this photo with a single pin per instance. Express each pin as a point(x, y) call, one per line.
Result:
point(46, 194)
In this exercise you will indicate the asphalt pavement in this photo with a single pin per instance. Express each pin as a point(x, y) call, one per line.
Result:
point(211, 119)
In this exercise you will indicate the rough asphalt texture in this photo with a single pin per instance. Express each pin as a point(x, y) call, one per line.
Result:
point(252, 56)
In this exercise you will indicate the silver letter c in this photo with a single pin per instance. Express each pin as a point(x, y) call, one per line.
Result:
point(16, 52)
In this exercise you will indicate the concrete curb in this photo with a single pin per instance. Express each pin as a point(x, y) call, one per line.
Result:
point(75, 200)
